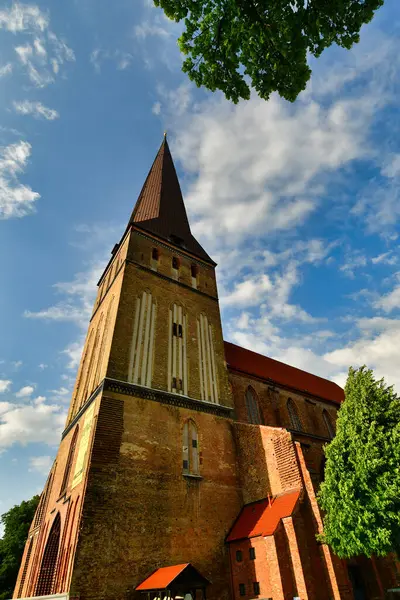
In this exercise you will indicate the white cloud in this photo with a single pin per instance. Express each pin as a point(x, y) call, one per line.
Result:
point(390, 301)
point(23, 17)
point(391, 167)
point(354, 260)
point(25, 392)
point(5, 385)
point(156, 109)
point(46, 53)
point(122, 59)
point(147, 29)
point(42, 464)
point(16, 199)
point(31, 423)
point(36, 109)
point(42, 366)
point(5, 70)
point(386, 258)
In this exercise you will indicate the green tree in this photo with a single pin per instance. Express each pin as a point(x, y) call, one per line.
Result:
point(16, 526)
point(361, 491)
point(231, 44)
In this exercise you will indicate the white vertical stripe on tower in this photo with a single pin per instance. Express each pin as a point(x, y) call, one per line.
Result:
point(204, 356)
point(206, 331)
point(140, 337)
point(214, 371)
point(170, 351)
point(200, 360)
point(174, 347)
point(151, 346)
point(134, 341)
point(180, 357)
point(146, 341)
point(185, 369)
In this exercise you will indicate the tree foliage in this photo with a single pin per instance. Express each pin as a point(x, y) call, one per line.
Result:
point(16, 526)
point(230, 44)
point(361, 491)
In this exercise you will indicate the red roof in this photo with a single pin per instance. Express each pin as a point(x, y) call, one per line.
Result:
point(161, 578)
point(261, 518)
point(264, 367)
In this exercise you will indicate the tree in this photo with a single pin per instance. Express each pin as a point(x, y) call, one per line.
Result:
point(361, 491)
point(16, 526)
point(233, 43)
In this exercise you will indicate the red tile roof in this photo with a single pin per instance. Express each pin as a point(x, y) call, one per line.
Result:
point(264, 367)
point(160, 209)
point(162, 578)
point(259, 518)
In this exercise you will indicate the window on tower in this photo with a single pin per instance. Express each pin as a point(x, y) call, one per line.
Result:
point(175, 267)
point(155, 257)
point(190, 449)
point(194, 271)
point(294, 415)
point(253, 409)
point(177, 361)
point(328, 424)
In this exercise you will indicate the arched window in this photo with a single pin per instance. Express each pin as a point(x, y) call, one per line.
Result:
point(25, 569)
point(44, 498)
point(294, 415)
point(68, 465)
point(46, 580)
point(328, 424)
point(253, 410)
point(190, 449)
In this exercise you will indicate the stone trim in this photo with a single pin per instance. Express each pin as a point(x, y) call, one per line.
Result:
point(83, 409)
point(131, 389)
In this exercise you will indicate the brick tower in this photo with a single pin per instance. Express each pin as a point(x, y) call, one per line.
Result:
point(145, 474)
point(186, 462)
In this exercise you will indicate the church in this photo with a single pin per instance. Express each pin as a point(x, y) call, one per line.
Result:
point(189, 466)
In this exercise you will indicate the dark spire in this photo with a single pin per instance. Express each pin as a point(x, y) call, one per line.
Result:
point(160, 209)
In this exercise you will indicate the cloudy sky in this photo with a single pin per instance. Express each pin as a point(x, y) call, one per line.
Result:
point(298, 203)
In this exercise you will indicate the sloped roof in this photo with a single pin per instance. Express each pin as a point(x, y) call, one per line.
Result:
point(261, 518)
point(264, 367)
point(184, 574)
point(160, 209)
point(161, 578)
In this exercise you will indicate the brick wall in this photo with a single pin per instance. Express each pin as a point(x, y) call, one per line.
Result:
point(141, 512)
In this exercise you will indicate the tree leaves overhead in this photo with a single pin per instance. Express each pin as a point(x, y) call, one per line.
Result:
point(17, 522)
point(361, 491)
point(232, 45)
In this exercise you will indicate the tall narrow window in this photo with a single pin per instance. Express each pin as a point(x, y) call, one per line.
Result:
point(47, 575)
point(142, 345)
point(155, 255)
point(207, 364)
point(44, 498)
point(177, 351)
point(294, 415)
point(190, 449)
point(103, 345)
point(328, 424)
point(194, 272)
point(175, 267)
point(25, 569)
point(253, 409)
point(68, 465)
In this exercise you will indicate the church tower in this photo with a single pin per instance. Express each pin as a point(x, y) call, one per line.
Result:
point(145, 475)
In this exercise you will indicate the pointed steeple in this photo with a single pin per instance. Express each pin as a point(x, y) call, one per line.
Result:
point(160, 209)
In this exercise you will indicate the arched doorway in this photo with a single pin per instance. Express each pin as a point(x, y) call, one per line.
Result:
point(46, 580)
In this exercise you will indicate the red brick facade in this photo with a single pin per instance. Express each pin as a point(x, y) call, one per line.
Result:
point(169, 436)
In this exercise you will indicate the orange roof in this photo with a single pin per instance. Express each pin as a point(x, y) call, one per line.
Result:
point(161, 578)
point(267, 368)
point(261, 518)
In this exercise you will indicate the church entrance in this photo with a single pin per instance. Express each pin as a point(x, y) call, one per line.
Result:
point(357, 582)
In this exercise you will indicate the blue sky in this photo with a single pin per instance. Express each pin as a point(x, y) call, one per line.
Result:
point(298, 203)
